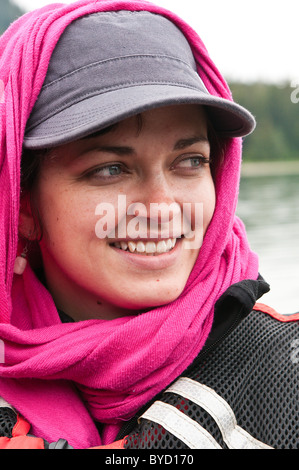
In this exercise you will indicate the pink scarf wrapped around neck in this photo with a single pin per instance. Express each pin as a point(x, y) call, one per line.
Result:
point(62, 377)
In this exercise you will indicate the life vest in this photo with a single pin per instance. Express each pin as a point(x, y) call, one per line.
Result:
point(240, 393)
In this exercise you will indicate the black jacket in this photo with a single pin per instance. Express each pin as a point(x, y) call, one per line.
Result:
point(240, 392)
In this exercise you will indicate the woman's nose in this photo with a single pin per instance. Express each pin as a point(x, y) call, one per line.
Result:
point(157, 202)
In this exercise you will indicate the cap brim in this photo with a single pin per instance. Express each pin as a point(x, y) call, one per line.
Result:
point(97, 112)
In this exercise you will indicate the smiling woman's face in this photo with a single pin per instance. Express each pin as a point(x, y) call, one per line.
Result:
point(166, 161)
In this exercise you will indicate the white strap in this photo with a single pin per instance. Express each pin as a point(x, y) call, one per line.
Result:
point(233, 435)
point(180, 425)
point(4, 404)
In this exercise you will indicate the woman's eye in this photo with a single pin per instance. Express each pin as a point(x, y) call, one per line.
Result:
point(104, 172)
point(193, 162)
point(111, 170)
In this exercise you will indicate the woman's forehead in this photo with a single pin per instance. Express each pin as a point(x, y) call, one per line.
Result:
point(183, 116)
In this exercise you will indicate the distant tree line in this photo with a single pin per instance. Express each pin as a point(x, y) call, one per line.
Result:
point(276, 136)
point(277, 133)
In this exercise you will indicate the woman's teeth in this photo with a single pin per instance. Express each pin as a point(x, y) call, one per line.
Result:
point(147, 248)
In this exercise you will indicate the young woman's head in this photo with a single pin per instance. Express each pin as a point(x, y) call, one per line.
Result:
point(121, 202)
point(125, 257)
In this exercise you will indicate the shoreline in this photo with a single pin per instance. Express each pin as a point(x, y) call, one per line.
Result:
point(281, 168)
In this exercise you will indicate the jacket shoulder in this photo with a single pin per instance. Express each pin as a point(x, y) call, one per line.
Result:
point(241, 393)
point(284, 318)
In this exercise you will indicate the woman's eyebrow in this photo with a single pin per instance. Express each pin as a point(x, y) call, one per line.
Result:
point(118, 150)
point(127, 151)
point(180, 144)
point(187, 142)
point(114, 149)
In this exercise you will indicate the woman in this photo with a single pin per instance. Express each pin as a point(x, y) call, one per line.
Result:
point(123, 262)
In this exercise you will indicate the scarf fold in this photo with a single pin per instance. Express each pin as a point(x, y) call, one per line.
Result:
point(62, 376)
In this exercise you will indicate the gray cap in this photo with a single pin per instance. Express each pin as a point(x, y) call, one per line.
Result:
point(112, 65)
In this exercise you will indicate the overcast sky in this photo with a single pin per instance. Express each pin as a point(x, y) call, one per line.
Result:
point(248, 40)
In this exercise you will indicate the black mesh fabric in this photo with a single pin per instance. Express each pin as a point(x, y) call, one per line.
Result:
point(253, 371)
point(8, 419)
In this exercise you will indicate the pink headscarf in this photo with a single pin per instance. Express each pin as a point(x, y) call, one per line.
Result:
point(62, 377)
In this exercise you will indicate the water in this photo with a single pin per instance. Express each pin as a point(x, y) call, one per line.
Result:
point(269, 207)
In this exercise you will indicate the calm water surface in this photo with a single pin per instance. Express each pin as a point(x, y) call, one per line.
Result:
point(269, 207)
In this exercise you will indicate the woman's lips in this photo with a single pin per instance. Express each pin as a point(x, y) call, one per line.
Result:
point(150, 258)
